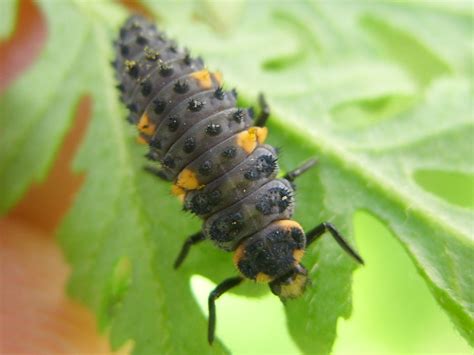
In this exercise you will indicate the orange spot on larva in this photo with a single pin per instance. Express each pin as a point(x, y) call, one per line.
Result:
point(262, 133)
point(145, 126)
point(262, 277)
point(288, 223)
point(203, 78)
point(218, 77)
point(141, 140)
point(249, 139)
point(177, 190)
point(187, 180)
point(298, 255)
point(238, 255)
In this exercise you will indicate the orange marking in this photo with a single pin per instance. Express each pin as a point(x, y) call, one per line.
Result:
point(145, 126)
point(298, 255)
point(218, 76)
point(141, 140)
point(203, 78)
point(262, 277)
point(262, 133)
point(295, 288)
point(238, 255)
point(288, 223)
point(177, 190)
point(248, 139)
point(187, 180)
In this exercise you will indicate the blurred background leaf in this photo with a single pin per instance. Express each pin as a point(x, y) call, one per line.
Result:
point(382, 93)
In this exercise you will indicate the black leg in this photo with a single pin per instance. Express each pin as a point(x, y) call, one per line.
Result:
point(264, 112)
point(194, 239)
point(223, 287)
point(292, 175)
point(156, 172)
point(318, 231)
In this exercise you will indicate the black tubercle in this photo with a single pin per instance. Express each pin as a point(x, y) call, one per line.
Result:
point(187, 59)
point(169, 162)
point(141, 40)
point(155, 143)
point(166, 69)
point(151, 54)
point(219, 93)
point(132, 107)
point(238, 115)
point(173, 47)
point(159, 106)
point(173, 124)
point(152, 155)
point(202, 202)
point(189, 145)
point(229, 153)
point(275, 200)
point(195, 105)
point(132, 68)
point(124, 50)
point(206, 168)
point(226, 227)
point(147, 87)
point(263, 167)
point(181, 87)
point(213, 129)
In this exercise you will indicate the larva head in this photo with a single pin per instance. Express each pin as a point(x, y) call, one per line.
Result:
point(272, 253)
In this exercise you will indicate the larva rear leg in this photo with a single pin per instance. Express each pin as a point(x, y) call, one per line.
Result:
point(319, 230)
point(190, 241)
point(293, 174)
point(223, 287)
point(262, 118)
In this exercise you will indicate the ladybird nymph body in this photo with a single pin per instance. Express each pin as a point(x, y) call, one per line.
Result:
point(214, 154)
point(211, 151)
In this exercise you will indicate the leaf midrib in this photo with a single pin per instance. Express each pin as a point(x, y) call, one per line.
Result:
point(366, 173)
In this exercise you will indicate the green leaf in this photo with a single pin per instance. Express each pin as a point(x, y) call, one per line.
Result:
point(378, 92)
point(8, 14)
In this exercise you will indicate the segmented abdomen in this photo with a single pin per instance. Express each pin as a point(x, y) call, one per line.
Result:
point(204, 142)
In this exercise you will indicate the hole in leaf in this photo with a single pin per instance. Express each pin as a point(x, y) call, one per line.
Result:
point(118, 285)
point(303, 36)
point(456, 188)
point(389, 290)
point(422, 64)
point(368, 111)
point(246, 325)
